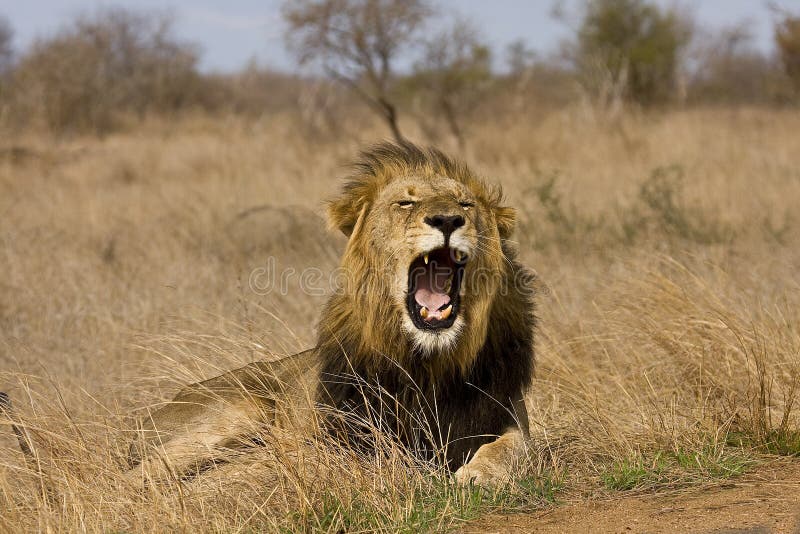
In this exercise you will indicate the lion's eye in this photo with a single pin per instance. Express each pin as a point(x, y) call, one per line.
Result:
point(467, 205)
point(405, 204)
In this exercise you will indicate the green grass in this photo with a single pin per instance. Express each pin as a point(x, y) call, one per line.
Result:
point(633, 473)
point(670, 468)
point(778, 442)
point(710, 463)
point(541, 488)
point(436, 504)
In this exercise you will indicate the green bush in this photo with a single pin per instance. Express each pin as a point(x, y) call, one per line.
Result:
point(787, 37)
point(102, 67)
point(633, 44)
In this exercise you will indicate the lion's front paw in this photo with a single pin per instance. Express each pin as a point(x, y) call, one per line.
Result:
point(482, 473)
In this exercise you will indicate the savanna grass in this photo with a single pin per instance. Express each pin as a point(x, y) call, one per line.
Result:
point(666, 246)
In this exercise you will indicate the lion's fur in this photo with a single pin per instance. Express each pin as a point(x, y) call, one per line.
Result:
point(362, 317)
point(471, 384)
point(456, 396)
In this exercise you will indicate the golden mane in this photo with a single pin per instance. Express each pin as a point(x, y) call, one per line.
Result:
point(384, 162)
point(362, 322)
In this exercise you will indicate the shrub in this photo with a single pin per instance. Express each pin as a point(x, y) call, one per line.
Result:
point(787, 37)
point(102, 67)
point(662, 195)
point(6, 50)
point(632, 48)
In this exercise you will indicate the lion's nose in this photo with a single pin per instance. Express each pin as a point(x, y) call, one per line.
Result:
point(447, 224)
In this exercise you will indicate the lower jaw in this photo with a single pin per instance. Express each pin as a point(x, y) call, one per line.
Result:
point(431, 343)
point(438, 328)
point(433, 326)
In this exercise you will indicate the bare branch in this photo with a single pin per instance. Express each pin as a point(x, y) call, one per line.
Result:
point(356, 42)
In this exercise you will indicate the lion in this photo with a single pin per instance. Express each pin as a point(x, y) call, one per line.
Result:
point(429, 337)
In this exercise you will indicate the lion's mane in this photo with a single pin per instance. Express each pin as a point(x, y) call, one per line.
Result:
point(369, 368)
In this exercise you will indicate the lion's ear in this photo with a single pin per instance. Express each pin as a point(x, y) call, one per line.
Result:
point(346, 213)
point(506, 219)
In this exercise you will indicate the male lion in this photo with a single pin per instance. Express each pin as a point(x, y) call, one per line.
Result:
point(429, 339)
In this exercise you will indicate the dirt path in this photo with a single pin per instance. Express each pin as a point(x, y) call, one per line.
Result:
point(762, 502)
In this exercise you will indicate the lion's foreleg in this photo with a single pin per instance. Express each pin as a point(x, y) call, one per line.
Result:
point(493, 463)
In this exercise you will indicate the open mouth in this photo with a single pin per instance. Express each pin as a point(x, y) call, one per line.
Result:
point(434, 282)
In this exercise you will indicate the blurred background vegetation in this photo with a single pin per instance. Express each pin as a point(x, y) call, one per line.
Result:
point(405, 62)
point(654, 165)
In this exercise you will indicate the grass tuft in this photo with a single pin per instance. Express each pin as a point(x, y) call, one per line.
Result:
point(666, 469)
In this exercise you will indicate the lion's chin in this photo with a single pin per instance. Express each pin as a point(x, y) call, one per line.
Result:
point(430, 342)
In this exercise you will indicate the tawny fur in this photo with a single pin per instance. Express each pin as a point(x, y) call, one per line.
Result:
point(455, 395)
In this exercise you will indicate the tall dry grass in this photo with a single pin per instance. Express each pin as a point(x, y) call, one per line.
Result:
point(666, 246)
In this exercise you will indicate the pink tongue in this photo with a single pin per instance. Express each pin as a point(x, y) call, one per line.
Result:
point(431, 299)
point(431, 293)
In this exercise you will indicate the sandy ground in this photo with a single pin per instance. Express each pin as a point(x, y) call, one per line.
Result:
point(765, 501)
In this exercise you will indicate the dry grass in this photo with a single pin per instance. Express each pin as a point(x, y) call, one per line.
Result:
point(667, 355)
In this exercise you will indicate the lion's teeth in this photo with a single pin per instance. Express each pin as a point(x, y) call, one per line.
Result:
point(446, 313)
point(459, 255)
point(425, 258)
point(424, 312)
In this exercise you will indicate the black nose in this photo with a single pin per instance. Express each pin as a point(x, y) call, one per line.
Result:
point(446, 223)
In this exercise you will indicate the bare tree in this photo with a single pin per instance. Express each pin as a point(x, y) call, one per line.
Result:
point(727, 67)
point(454, 74)
point(357, 42)
point(787, 37)
point(6, 49)
point(519, 57)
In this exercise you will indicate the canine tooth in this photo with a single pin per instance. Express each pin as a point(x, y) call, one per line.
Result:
point(459, 255)
point(423, 312)
point(446, 313)
point(426, 258)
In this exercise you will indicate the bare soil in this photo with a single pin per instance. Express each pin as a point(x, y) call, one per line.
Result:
point(765, 501)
